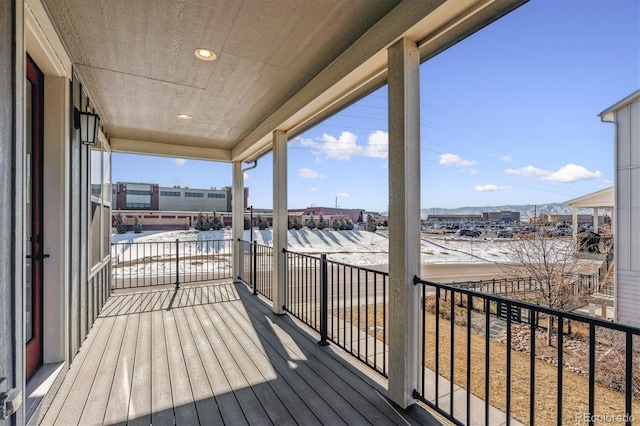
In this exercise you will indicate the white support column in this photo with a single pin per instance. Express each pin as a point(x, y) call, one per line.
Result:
point(404, 220)
point(595, 219)
point(574, 225)
point(280, 217)
point(238, 217)
point(613, 221)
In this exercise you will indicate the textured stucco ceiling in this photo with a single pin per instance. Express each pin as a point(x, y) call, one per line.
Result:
point(135, 58)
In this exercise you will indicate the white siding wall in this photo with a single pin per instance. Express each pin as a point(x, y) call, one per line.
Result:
point(628, 214)
point(192, 204)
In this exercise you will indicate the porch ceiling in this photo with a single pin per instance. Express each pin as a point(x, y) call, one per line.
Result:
point(282, 64)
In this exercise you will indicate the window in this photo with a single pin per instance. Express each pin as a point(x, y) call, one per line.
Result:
point(212, 195)
point(194, 194)
point(138, 205)
point(100, 212)
point(138, 192)
point(170, 193)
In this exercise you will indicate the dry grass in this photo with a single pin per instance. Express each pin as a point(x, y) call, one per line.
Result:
point(608, 402)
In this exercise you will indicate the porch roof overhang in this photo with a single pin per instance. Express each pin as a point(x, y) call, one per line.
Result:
point(608, 115)
point(600, 199)
point(283, 65)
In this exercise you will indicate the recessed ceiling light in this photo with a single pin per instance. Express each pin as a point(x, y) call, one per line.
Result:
point(205, 54)
point(184, 116)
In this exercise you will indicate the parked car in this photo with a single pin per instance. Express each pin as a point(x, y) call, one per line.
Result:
point(469, 233)
point(505, 233)
point(560, 232)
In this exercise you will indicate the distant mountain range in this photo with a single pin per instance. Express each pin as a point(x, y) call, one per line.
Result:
point(527, 211)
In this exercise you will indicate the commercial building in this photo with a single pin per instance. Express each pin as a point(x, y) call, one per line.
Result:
point(454, 218)
point(152, 197)
point(501, 216)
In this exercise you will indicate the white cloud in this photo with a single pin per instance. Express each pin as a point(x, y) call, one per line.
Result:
point(179, 161)
point(346, 146)
point(245, 175)
point(528, 171)
point(343, 195)
point(313, 189)
point(378, 145)
point(455, 160)
point(566, 174)
point(571, 173)
point(342, 148)
point(506, 158)
point(309, 174)
point(491, 188)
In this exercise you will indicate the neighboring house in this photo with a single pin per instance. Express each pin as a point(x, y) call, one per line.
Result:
point(599, 200)
point(625, 115)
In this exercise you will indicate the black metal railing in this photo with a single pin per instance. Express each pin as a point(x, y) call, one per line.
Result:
point(518, 287)
point(485, 355)
point(141, 264)
point(346, 304)
point(257, 267)
point(484, 358)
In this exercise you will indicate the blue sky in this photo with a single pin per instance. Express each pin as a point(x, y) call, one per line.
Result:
point(508, 116)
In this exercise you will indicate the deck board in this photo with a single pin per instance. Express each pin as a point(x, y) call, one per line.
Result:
point(230, 409)
point(252, 408)
point(208, 411)
point(161, 399)
point(120, 392)
point(337, 388)
point(76, 395)
point(104, 377)
point(140, 401)
point(296, 392)
point(183, 403)
point(56, 405)
point(275, 409)
point(210, 354)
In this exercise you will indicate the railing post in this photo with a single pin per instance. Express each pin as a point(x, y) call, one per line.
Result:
point(177, 264)
point(254, 267)
point(324, 299)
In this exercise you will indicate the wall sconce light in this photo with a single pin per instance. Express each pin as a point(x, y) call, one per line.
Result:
point(89, 124)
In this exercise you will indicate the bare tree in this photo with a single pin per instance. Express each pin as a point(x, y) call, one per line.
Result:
point(551, 264)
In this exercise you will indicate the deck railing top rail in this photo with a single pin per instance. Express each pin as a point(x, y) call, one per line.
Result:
point(527, 305)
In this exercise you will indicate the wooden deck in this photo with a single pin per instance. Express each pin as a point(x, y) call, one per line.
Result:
point(214, 354)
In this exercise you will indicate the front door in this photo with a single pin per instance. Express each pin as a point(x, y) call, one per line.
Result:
point(34, 100)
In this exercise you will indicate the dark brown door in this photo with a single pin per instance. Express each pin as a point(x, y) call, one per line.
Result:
point(34, 100)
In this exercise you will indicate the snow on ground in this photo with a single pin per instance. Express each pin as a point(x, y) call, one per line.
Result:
point(354, 247)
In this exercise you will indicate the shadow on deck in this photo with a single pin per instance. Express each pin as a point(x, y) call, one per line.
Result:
point(214, 354)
